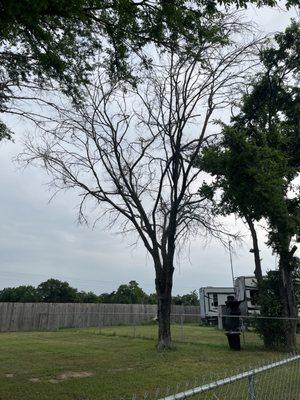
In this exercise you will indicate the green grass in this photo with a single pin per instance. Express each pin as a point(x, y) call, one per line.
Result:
point(121, 365)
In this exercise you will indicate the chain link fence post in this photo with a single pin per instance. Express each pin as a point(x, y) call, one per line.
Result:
point(134, 330)
point(251, 387)
point(181, 328)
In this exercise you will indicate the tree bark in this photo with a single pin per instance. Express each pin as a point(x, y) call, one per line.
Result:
point(288, 299)
point(257, 261)
point(164, 283)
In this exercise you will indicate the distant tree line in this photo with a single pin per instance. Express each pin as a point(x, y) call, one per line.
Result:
point(56, 291)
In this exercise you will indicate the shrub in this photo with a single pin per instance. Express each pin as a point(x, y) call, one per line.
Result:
point(272, 331)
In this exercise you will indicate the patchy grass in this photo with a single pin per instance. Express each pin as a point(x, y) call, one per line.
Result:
point(85, 365)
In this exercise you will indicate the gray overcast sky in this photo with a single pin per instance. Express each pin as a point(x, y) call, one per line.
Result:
point(40, 240)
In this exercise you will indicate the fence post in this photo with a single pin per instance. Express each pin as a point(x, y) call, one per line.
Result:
point(134, 334)
point(181, 327)
point(251, 387)
point(220, 318)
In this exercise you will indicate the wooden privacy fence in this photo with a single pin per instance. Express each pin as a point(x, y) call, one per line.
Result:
point(49, 316)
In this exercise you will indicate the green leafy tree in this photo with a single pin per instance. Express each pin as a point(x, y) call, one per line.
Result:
point(5, 133)
point(107, 298)
point(271, 117)
point(272, 330)
point(20, 294)
point(86, 297)
point(46, 41)
point(152, 298)
point(56, 291)
point(42, 42)
point(258, 158)
point(53, 39)
point(190, 299)
point(231, 161)
point(130, 294)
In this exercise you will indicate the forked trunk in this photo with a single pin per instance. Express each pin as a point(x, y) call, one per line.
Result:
point(288, 301)
point(164, 282)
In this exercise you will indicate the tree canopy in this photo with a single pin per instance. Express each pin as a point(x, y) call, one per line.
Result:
point(48, 38)
point(257, 158)
point(47, 41)
point(130, 294)
point(56, 291)
point(20, 294)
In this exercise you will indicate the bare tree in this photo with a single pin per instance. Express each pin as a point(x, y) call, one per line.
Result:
point(132, 151)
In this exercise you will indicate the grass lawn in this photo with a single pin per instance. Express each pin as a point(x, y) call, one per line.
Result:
point(85, 365)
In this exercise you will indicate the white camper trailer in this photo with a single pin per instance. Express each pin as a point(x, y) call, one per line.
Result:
point(246, 291)
point(210, 299)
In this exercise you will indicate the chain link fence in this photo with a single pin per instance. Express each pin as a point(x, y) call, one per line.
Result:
point(189, 328)
point(278, 380)
point(185, 328)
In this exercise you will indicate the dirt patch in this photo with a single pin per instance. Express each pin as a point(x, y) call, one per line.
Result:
point(121, 369)
point(34, 380)
point(9, 375)
point(69, 375)
point(53, 381)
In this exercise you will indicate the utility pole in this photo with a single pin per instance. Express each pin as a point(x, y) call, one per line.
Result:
point(231, 265)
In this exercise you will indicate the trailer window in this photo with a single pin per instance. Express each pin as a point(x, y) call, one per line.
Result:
point(215, 300)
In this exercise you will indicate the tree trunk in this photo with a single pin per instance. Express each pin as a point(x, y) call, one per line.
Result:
point(257, 261)
point(288, 300)
point(164, 283)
